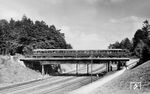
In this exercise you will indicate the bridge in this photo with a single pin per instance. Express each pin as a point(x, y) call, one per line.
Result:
point(88, 57)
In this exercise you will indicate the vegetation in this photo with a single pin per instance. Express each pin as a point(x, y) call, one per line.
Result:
point(24, 35)
point(12, 70)
point(139, 46)
point(124, 44)
point(122, 83)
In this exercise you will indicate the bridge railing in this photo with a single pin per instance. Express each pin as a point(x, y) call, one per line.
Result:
point(65, 53)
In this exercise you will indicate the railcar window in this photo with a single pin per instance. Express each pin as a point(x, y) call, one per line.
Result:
point(108, 52)
point(96, 51)
point(63, 51)
point(73, 51)
point(93, 51)
point(115, 51)
point(34, 52)
point(103, 51)
point(55, 51)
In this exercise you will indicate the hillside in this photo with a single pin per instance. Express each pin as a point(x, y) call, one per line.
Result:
point(12, 70)
point(121, 85)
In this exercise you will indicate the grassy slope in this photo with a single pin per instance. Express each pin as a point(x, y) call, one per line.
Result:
point(12, 70)
point(121, 84)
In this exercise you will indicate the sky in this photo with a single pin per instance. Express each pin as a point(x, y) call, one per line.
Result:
point(87, 24)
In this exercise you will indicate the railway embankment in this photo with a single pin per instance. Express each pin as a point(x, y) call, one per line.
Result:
point(132, 81)
point(13, 71)
point(125, 81)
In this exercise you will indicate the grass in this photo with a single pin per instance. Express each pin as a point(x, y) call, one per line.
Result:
point(121, 84)
point(12, 70)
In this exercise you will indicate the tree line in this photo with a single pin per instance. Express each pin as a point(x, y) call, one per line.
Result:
point(139, 45)
point(22, 36)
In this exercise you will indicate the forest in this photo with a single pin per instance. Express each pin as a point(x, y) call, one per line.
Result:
point(23, 35)
point(139, 45)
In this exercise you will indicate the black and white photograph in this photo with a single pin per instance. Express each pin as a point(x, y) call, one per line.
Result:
point(74, 46)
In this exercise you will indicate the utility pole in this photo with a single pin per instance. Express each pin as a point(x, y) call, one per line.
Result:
point(91, 64)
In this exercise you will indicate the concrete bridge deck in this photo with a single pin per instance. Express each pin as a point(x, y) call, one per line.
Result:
point(108, 61)
point(75, 59)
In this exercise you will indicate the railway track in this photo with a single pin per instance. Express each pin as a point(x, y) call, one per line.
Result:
point(55, 85)
point(72, 85)
point(51, 81)
point(35, 82)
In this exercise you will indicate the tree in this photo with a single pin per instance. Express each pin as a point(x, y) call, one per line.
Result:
point(116, 45)
point(22, 35)
point(145, 54)
point(126, 44)
point(140, 45)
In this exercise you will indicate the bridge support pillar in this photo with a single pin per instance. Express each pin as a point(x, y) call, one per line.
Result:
point(77, 69)
point(118, 65)
point(107, 66)
point(110, 65)
point(43, 72)
point(91, 70)
point(87, 68)
point(124, 64)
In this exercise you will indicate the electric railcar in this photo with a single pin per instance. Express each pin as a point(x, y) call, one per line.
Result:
point(48, 53)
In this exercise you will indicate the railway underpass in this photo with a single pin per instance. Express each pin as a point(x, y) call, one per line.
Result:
point(59, 84)
point(119, 62)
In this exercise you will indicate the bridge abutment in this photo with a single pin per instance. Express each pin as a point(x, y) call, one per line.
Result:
point(87, 68)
